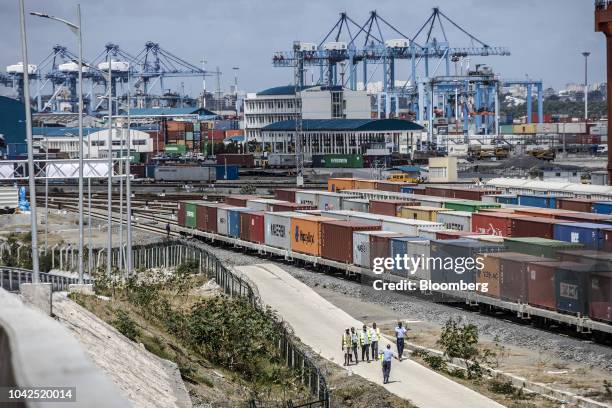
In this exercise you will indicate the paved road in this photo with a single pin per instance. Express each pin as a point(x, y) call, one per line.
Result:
point(320, 324)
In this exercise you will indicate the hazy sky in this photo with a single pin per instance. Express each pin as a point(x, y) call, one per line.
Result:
point(546, 37)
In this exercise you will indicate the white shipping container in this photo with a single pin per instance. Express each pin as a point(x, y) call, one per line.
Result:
point(307, 197)
point(281, 160)
point(412, 249)
point(455, 220)
point(262, 204)
point(429, 233)
point(496, 239)
point(546, 128)
point(330, 201)
point(488, 198)
point(578, 127)
point(222, 224)
point(416, 249)
point(356, 204)
point(361, 248)
point(425, 202)
point(278, 228)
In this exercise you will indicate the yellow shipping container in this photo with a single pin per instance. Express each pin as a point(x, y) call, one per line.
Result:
point(423, 213)
point(306, 234)
point(527, 128)
point(339, 183)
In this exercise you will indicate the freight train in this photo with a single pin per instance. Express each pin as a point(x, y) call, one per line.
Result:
point(549, 262)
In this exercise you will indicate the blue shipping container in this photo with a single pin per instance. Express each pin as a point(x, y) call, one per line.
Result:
point(536, 201)
point(571, 285)
point(233, 222)
point(586, 233)
point(602, 207)
point(506, 199)
point(231, 174)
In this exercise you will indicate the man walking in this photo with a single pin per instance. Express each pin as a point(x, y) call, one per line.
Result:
point(374, 337)
point(346, 347)
point(364, 341)
point(400, 334)
point(354, 343)
point(168, 230)
point(386, 357)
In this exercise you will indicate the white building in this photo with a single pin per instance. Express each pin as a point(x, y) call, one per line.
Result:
point(277, 104)
point(65, 141)
point(344, 136)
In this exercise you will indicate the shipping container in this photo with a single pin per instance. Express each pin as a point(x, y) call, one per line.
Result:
point(356, 204)
point(286, 194)
point(338, 183)
point(468, 205)
point(574, 204)
point(495, 239)
point(586, 256)
point(389, 207)
point(330, 201)
point(363, 184)
point(527, 128)
point(310, 197)
point(490, 274)
point(430, 233)
point(571, 288)
point(413, 248)
point(542, 212)
point(281, 160)
point(278, 230)
point(343, 161)
point(421, 212)
point(453, 234)
point(506, 129)
point(600, 296)
point(494, 223)
point(188, 214)
point(393, 186)
point(463, 254)
point(185, 173)
point(287, 206)
point(175, 149)
point(506, 199)
point(306, 234)
point(535, 246)
point(455, 220)
point(337, 239)
point(229, 172)
point(574, 128)
point(534, 227)
point(252, 226)
point(588, 234)
point(602, 207)
point(239, 200)
point(207, 216)
point(514, 278)
point(541, 284)
point(585, 217)
point(223, 220)
point(365, 249)
point(539, 201)
point(233, 221)
point(242, 160)
point(263, 204)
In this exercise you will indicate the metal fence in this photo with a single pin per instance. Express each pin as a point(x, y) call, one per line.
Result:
point(12, 278)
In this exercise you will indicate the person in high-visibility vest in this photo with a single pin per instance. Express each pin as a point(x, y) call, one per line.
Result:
point(346, 347)
point(364, 342)
point(374, 337)
point(354, 344)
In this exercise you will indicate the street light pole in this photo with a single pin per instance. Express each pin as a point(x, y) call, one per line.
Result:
point(586, 86)
point(31, 173)
point(109, 215)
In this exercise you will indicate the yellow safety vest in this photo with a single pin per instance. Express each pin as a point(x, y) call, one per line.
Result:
point(346, 340)
point(362, 338)
point(377, 334)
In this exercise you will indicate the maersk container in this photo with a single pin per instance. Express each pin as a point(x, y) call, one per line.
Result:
point(602, 207)
point(536, 246)
point(456, 220)
point(307, 197)
point(463, 253)
point(412, 248)
point(506, 199)
point(588, 234)
point(356, 204)
point(278, 228)
point(469, 205)
point(233, 221)
point(539, 201)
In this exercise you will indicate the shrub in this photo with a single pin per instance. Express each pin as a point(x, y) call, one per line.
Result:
point(126, 326)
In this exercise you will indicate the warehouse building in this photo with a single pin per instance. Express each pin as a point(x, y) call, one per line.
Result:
point(344, 136)
point(318, 102)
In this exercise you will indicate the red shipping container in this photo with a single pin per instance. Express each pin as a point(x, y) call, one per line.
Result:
point(541, 283)
point(337, 239)
point(292, 207)
point(607, 246)
point(206, 216)
point(389, 207)
point(438, 191)
point(242, 160)
point(574, 204)
point(474, 194)
point(239, 200)
point(380, 245)
point(181, 214)
point(252, 226)
point(494, 223)
point(534, 227)
point(600, 296)
point(514, 278)
point(286, 194)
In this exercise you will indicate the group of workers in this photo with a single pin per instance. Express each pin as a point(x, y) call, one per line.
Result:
point(367, 339)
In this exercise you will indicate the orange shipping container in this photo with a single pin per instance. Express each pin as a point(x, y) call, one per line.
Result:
point(338, 183)
point(361, 184)
point(490, 274)
point(234, 132)
point(306, 234)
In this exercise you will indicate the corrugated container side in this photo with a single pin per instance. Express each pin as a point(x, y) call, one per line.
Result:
point(574, 204)
point(468, 205)
point(339, 183)
point(499, 224)
point(361, 248)
point(389, 207)
point(420, 213)
point(239, 200)
point(356, 204)
point(490, 275)
point(306, 234)
point(588, 234)
point(514, 278)
point(288, 206)
point(535, 246)
point(286, 194)
point(181, 213)
point(456, 249)
point(190, 215)
point(252, 226)
point(233, 221)
point(337, 239)
point(307, 197)
point(571, 289)
point(600, 296)
point(380, 244)
point(456, 220)
point(534, 227)
point(414, 248)
point(361, 184)
point(541, 284)
point(585, 217)
point(602, 207)
point(538, 201)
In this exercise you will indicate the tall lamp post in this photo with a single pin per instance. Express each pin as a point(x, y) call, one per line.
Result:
point(31, 173)
point(76, 29)
point(586, 85)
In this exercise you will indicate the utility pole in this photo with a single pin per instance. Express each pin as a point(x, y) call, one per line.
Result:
point(31, 172)
point(586, 85)
point(297, 79)
point(109, 203)
point(128, 188)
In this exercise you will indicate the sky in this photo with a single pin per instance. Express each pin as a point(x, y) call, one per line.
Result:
point(545, 37)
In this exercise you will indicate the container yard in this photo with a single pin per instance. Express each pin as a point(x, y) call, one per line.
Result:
point(195, 231)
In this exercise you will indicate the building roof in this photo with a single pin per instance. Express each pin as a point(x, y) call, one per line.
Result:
point(280, 90)
point(62, 131)
point(171, 112)
point(345, 124)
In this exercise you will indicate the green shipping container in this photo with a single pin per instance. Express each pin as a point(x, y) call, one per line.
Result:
point(175, 148)
point(344, 160)
point(536, 246)
point(506, 129)
point(190, 215)
point(469, 205)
